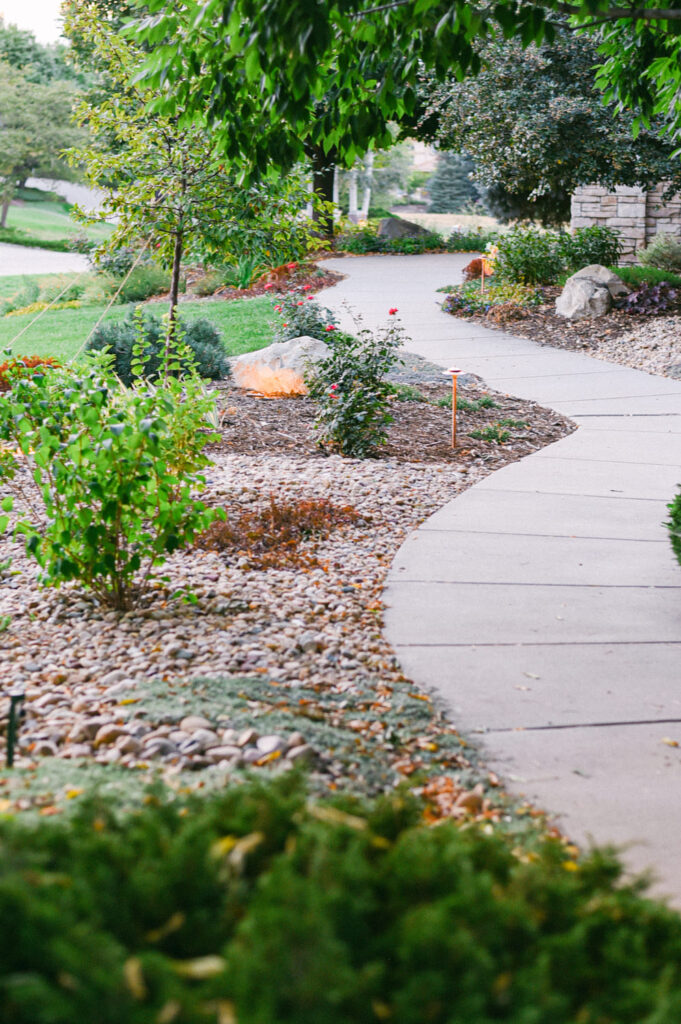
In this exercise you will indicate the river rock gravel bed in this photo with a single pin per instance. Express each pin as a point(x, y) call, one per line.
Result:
point(258, 667)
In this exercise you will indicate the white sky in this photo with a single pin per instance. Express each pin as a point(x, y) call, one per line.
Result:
point(40, 16)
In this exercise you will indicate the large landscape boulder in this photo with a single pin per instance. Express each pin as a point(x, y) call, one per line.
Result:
point(395, 227)
point(590, 293)
point(279, 368)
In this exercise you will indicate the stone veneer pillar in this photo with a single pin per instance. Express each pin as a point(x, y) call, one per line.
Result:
point(636, 215)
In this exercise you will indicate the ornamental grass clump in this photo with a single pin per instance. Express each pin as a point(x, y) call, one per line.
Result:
point(351, 390)
point(117, 471)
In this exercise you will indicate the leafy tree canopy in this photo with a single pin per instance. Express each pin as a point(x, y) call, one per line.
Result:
point(536, 126)
point(32, 143)
point(209, 54)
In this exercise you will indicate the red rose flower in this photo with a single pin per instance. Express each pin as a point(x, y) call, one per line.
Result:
point(267, 286)
point(392, 311)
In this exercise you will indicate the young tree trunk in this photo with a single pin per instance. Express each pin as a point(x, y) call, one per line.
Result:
point(369, 178)
point(353, 211)
point(323, 166)
point(5, 210)
point(336, 187)
point(174, 292)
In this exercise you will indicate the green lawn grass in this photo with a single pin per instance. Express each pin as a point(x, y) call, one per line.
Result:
point(244, 324)
point(50, 222)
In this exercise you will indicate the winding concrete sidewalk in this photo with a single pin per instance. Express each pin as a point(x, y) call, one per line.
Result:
point(544, 604)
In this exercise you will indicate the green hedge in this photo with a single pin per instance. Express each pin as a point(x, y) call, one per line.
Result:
point(16, 237)
point(251, 905)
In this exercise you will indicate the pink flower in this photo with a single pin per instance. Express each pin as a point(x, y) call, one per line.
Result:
point(330, 327)
point(291, 266)
point(306, 287)
point(334, 387)
point(392, 311)
point(267, 286)
point(300, 303)
point(277, 309)
point(310, 298)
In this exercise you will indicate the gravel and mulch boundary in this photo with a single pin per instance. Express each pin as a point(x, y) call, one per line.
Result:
point(643, 342)
point(227, 666)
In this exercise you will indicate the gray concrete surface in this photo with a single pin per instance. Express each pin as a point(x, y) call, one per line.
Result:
point(544, 605)
point(22, 259)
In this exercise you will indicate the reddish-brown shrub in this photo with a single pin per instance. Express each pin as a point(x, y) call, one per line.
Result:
point(14, 367)
point(270, 537)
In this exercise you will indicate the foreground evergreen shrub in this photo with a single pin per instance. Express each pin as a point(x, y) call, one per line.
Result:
point(200, 336)
point(250, 905)
point(674, 525)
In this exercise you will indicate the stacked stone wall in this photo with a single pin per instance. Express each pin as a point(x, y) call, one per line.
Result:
point(637, 216)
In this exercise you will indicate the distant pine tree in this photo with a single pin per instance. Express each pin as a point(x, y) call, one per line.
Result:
point(450, 187)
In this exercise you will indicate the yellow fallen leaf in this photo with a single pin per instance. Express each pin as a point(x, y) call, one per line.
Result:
point(334, 816)
point(669, 742)
point(73, 792)
point(221, 847)
point(243, 847)
point(200, 968)
point(134, 978)
point(173, 923)
point(169, 1012)
point(129, 700)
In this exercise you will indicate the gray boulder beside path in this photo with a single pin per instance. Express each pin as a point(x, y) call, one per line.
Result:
point(590, 293)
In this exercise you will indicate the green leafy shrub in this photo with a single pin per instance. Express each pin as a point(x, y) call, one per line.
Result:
point(202, 339)
point(62, 287)
point(528, 256)
point(25, 296)
point(300, 315)
point(587, 246)
point(674, 525)
point(208, 284)
point(145, 281)
point(412, 246)
point(360, 240)
point(351, 392)
point(468, 297)
point(461, 240)
point(256, 906)
point(634, 276)
point(118, 261)
point(116, 471)
point(664, 252)
point(365, 239)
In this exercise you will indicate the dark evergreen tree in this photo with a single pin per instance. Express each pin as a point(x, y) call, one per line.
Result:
point(451, 189)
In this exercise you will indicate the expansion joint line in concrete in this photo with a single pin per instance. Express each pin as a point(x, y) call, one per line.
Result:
point(579, 725)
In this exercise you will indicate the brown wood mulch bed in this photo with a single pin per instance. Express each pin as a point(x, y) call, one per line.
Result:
point(542, 324)
point(420, 432)
point(310, 274)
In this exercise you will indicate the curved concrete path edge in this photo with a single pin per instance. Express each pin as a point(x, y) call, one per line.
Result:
point(544, 604)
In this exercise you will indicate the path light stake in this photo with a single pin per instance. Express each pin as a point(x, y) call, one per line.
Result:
point(16, 696)
point(454, 372)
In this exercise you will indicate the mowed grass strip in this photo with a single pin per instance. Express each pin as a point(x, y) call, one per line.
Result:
point(50, 221)
point(244, 324)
